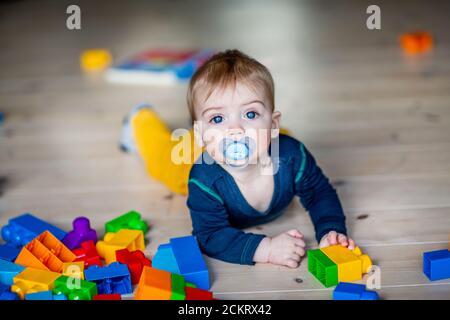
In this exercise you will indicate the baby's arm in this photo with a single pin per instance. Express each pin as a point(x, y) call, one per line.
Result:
point(320, 199)
point(216, 237)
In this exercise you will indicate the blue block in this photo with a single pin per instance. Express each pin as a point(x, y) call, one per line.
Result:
point(22, 229)
point(436, 264)
point(353, 291)
point(164, 259)
point(9, 252)
point(8, 270)
point(44, 295)
point(114, 278)
point(190, 261)
point(5, 293)
point(9, 296)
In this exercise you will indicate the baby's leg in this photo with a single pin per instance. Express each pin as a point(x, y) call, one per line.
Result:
point(154, 144)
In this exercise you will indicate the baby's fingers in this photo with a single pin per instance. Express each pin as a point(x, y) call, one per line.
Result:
point(292, 263)
point(342, 239)
point(295, 233)
point(300, 251)
point(351, 244)
point(332, 237)
point(299, 243)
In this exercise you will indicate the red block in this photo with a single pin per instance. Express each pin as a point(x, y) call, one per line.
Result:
point(135, 260)
point(198, 294)
point(113, 296)
point(88, 253)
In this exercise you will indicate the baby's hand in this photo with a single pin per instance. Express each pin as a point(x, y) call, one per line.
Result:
point(333, 238)
point(287, 249)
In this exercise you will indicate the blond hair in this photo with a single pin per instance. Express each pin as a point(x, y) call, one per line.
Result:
point(227, 68)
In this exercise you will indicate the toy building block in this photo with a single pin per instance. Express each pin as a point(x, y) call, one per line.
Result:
point(189, 260)
point(45, 252)
point(164, 259)
point(75, 289)
point(436, 264)
point(81, 232)
point(45, 295)
point(95, 59)
point(88, 254)
point(135, 262)
point(22, 229)
point(112, 296)
point(353, 291)
point(154, 284)
point(321, 267)
point(416, 42)
point(123, 239)
point(8, 270)
point(74, 269)
point(9, 252)
point(198, 294)
point(131, 220)
point(178, 284)
point(33, 280)
point(351, 264)
point(114, 278)
point(5, 294)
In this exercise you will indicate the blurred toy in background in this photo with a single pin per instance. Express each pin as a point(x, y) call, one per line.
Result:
point(159, 67)
point(416, 42)
point(95, 60)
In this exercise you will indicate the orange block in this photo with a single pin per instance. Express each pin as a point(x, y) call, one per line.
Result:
point(45, 252)
point(154, 284)
point(416, 42)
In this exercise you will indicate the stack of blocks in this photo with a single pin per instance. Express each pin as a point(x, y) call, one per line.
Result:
point(337, 263)
point(42, 262)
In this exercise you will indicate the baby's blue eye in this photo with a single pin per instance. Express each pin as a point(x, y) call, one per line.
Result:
point(217, 119)
point(251, 114)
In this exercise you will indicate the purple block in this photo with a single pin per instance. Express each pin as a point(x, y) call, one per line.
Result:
point(81, 232)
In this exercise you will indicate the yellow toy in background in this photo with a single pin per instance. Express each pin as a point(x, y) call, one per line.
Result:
point(95, 59)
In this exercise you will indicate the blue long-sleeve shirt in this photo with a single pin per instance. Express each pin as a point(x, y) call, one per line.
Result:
point(219, 210)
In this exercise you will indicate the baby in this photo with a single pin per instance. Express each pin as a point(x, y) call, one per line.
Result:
point(248, 172)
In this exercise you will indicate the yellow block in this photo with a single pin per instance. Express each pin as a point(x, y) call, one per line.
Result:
point(129, 239)
point(351, 263)
point(74, 269)
point(33, 280)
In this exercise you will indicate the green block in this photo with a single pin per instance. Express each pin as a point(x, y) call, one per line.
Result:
point(322, 268)
point(191, 285)
point(131, 220)
point(178, 284)
point(69, 287)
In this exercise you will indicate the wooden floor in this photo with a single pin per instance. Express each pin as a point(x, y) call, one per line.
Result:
point(378, 123)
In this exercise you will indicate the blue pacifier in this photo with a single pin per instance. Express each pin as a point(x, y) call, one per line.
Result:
point(237, 149)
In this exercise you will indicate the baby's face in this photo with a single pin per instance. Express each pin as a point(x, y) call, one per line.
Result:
point(235, 125)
